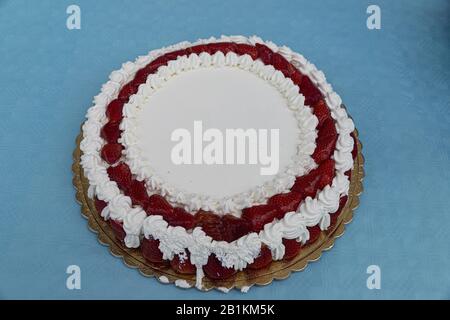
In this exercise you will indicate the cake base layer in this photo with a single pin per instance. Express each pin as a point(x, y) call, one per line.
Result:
point(242, 280)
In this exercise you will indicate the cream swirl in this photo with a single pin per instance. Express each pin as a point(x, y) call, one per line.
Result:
point(341, 183)
point(329, 198)
point(240, 253)
point(294, 228)
point(311, 211)
point(155, 227)
point(201, 248)
point(119, 206)
point(272, 236)
point(343, 160)
point(132, 225)
point(345, 143)
point(175, 242)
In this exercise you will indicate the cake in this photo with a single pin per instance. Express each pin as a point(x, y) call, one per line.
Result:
point(216, 220)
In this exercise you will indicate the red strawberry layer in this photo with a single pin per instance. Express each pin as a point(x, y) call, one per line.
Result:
point(286, 202)
point(99, 205)
point(214, 269)
point(121, 174)
point(111, 152)
point(326, 141)
point(260, 215)
point(315, 180)
point(138, 193)
point(291, 248)
point(157, 205)
point(114, 110)
point(314, 233)
point(150, 250)
point(117, 228)
point(182, 265)
point(227, 228)
point(262, 260)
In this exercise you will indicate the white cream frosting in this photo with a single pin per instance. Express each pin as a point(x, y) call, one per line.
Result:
point(141, 166)
point(132, 225)
point(310, 212)
point(182, 284)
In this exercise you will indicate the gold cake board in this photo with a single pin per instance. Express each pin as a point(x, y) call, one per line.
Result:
point(277, 270)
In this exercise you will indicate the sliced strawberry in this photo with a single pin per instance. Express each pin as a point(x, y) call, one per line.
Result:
point(297, 77)
point(243, 48)
point(138, 193)
point(260, 215)
point(291, 248)
point(183, 266)
point(182, 218)
point(111, 132)
point(264, 53)
point(326, 141)
point(281, 64)
point(210, 223)
point(150, 250)
point(316, 180)
point(355, 146)
point(262, 260)
point(342, 203)
point(334, 216)
point(117, 228)
point(227, 228)
point(314, 233)
point(128, 90)
point(286, 202)
point(321, 111)
point(324, 149)
point(114, 110)
point(328, 129)
point(307, 184)
point(214, 269)
point(158, 62)
point(142, 75)
point(224, 47)
point(111, 152)
point(99, 205)
point(175, 54)
point(311, 93)
point(233, 228)
point(121, 174)
point(199, 49)
point(326, 172)
point(157, 205)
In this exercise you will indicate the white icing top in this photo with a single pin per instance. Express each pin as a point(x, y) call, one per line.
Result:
point(152, 115)
point(175, 240)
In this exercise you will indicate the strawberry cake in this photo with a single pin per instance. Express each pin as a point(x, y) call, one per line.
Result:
point(217, 220)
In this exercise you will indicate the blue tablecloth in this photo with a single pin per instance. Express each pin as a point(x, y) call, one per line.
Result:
point(394, 81)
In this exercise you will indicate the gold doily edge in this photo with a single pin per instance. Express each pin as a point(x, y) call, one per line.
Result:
point(278, 270)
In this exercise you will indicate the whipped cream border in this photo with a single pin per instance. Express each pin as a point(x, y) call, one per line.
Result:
point(175, 240)
point(300, 164)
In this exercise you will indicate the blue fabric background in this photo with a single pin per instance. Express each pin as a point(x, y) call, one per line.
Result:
point(395, 82)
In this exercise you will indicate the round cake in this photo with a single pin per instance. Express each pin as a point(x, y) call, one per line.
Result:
point(202, 211)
